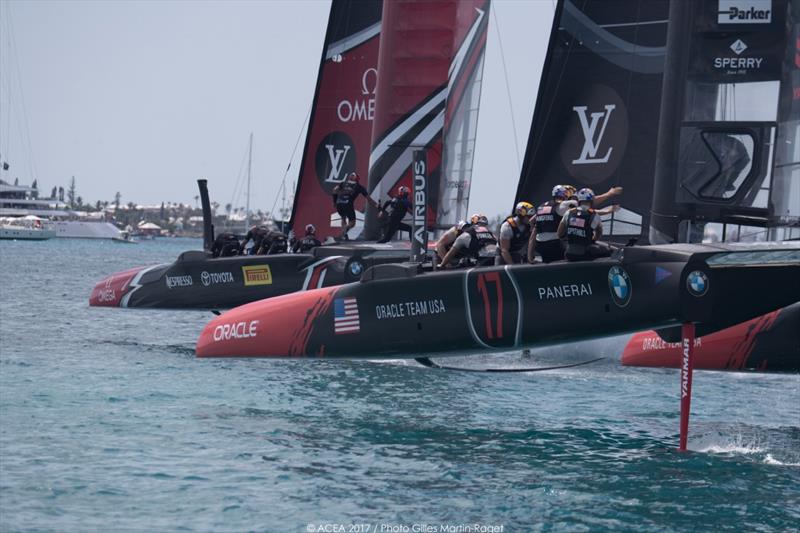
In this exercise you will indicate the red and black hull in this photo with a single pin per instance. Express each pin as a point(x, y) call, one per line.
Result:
point(770, 342)
point(198, 281)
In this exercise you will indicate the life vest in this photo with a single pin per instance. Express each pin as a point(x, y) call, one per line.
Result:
point(308, 242)
point(481, 237)
point(347, 193)
point(579, 226)
point(275, 243)
point(547, 218)
point(520, 236)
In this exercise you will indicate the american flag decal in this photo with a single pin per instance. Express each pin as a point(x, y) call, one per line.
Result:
point(345, 316)
point(577, 222)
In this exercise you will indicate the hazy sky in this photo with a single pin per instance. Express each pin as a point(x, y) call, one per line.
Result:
point(145, 97)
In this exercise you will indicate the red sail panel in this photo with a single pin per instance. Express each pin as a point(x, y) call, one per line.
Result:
point(461, 114)
point(417, 44)
point(340, 127)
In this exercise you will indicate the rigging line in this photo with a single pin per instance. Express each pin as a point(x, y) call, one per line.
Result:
point(13, 40)
point(234, 194)
point(291, 158)
point(4, 88)
point(508, 87)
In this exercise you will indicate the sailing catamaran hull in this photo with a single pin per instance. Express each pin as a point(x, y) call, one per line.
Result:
point(770, 342)
point(198, 281)
point(400, 314)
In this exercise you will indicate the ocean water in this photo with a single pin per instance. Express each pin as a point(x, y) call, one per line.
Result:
point(109, 423)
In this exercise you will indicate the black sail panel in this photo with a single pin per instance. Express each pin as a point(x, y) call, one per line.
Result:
point(596, 117)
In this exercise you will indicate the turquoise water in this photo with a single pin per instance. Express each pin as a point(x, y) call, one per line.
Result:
point(109, 423)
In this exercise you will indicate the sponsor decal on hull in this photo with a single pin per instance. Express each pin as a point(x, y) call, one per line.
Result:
point(178, 281)
point(215, 278)
point(257, 275)
point(571, 290)
point(619, 283)
point(655, 343)
point(697, 283)
point(433, 306)
point(236, 330)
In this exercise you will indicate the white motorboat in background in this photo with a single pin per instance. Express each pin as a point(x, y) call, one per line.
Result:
point(30, 228)
point(19, 201)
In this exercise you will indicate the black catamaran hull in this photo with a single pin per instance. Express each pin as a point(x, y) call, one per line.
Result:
point(497, 308)
point(198, 281)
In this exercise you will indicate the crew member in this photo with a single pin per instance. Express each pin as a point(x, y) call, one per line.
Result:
point(471, 243)
point(225, 245)
point(544, 238)
point(514, 235)
point(447, 239)
point(308, 242)
point(572, 194)
point(393, 212)
point(257, 234)
point(344, 197)
point(274, 243)
point(582, 228)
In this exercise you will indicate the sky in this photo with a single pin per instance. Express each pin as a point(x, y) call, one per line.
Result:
point(146, 97)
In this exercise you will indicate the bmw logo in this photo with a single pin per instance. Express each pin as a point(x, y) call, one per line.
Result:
point(356, 268)
point(619, 283)
point(697, 283)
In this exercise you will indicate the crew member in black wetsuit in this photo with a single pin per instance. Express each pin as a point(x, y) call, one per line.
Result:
point(257, 234)
point(515, 233)
point(583, 228)
point(471, 243)
point(308, 242)
point(274, 243)
point(225, 245)
point(392, 214)
point(344, 197)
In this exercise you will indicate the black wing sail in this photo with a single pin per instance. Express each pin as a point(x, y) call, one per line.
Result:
point(596, 118)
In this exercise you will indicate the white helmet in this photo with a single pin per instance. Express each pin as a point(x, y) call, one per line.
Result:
point(586, 195)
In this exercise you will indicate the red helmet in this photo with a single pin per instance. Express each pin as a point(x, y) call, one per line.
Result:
point(354, 177)
point(402, 191)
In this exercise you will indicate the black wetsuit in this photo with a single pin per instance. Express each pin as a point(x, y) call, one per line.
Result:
point(257, 234)
point(394, 212)
point(274, 243)
point(345, 198)
point(225, 245)
point(306, 244)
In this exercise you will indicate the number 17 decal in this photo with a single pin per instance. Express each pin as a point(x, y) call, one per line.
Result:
point(483, 280)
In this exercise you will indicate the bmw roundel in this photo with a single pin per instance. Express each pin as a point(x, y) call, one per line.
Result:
point(356, 268)
point(619, 283)
point(697, 283)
